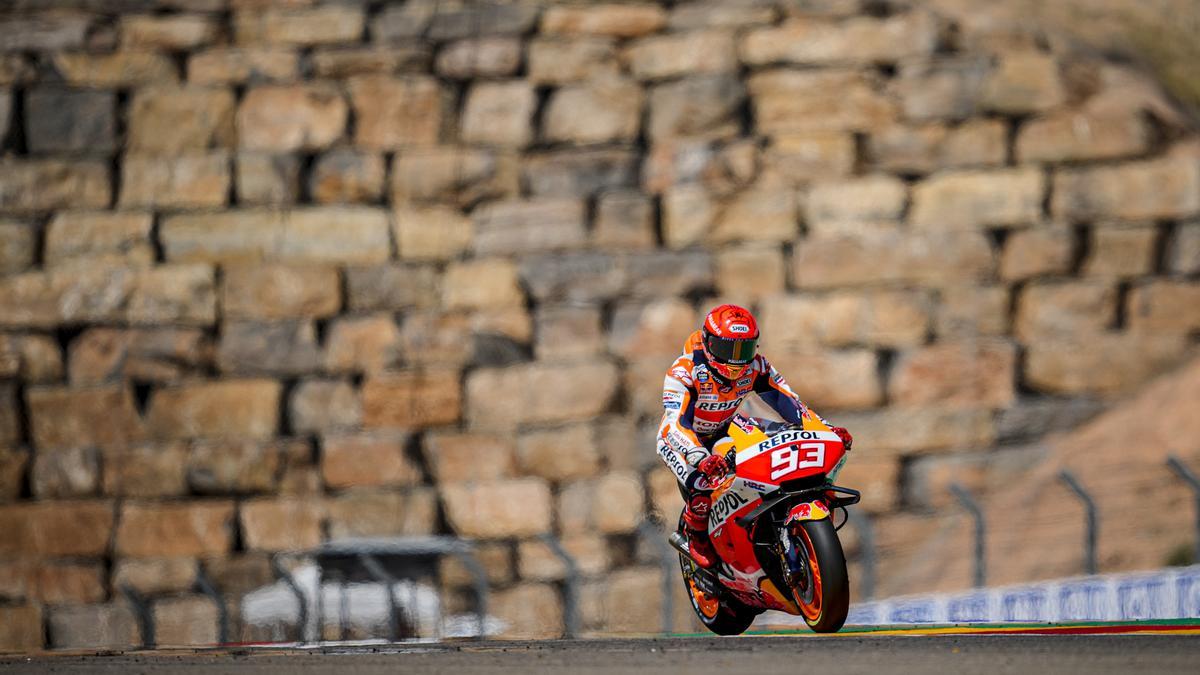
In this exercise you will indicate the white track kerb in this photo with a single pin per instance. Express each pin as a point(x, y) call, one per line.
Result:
point(1172, 593)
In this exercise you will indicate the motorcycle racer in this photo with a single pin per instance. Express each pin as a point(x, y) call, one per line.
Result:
point(720, 365)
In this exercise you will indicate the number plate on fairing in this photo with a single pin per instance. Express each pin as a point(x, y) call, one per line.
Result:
point(787, 453)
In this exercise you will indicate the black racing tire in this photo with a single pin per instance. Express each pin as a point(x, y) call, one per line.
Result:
point(826, 612)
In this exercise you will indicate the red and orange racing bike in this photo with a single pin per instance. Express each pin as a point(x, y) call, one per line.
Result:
point(772, 525)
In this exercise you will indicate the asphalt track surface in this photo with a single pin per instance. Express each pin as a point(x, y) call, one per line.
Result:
point(845, 655)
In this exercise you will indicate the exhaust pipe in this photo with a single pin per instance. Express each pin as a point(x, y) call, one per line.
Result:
point(704, 578)
point(679, 543)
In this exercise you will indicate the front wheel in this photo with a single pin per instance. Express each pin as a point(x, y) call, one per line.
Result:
point(819, 582)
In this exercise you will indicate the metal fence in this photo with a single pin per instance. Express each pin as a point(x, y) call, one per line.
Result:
point(1091, 513)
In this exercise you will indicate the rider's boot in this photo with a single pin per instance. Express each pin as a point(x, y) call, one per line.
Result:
point(695, 526)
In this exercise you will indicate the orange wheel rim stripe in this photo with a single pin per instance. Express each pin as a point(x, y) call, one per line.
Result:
point(707, 606)
point(811, 610)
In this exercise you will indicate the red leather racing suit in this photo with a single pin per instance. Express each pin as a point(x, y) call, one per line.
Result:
point(698, 408)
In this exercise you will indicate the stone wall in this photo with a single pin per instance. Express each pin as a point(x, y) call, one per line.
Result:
point(279, 272)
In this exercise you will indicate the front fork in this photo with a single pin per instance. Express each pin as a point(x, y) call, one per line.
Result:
point(795, 558)
point(797, 571)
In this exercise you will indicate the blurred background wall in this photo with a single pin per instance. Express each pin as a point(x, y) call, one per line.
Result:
point(274, 273)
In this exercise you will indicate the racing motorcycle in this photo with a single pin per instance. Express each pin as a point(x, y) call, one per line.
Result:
point(772, 525)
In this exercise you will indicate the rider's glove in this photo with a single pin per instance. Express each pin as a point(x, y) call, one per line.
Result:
point(844, 434)
point(715, 468)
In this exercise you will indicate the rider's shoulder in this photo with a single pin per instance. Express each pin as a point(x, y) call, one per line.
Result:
point(683, 369)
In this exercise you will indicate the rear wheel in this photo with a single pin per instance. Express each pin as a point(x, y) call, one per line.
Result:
point(719, 612)
point(820, 586)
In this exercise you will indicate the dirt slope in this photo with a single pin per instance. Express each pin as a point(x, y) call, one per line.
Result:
point(1036, 526)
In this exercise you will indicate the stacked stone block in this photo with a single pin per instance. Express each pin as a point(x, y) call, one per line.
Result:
point(275, 273)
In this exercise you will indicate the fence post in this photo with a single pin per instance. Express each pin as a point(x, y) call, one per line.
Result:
point(290, 581)
point(972, 507)
point(343, 607)
point(866, 545)
point(667, 561)
point(206, 587)
point(479, 583)
point(144, 616)
point(379, 574)
point(571, 589)
point(1089, 506)
point(1193, 482)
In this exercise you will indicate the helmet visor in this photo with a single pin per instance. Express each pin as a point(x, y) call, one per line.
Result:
point(736, 352)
